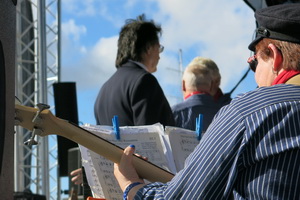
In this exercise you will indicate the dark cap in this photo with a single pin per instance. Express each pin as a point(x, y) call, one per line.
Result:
point(280, 22)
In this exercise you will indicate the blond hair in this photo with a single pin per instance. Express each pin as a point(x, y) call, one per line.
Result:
point(197, 77)
point(210, 65)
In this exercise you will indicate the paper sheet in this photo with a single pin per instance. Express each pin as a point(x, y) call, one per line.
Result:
point(148, 140)
point(183, 143)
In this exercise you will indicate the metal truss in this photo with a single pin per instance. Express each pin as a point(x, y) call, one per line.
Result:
point(37, 68)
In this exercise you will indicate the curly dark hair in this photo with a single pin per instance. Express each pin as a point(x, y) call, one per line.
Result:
point(136, 36)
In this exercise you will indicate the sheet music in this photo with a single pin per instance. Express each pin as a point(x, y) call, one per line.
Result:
point(182, 142)
point(148, 140)
point(91, 174)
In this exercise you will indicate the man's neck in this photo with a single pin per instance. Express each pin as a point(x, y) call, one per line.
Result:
point(188, 94)
point(140, 64)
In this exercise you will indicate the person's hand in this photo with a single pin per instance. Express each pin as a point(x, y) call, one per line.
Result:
point(125, 172)
point(77, 176)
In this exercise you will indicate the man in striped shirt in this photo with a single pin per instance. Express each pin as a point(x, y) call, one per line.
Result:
point(251, 150)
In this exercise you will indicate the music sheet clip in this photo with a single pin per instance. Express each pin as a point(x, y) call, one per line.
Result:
point(199, 126)
point(115, 122)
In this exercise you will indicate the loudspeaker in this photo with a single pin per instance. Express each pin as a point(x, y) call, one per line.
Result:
point(74, 162)
point(7, 96)
point(65, 101)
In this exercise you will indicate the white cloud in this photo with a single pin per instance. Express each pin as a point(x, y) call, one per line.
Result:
point(96, 66)
point(79, 7)
point(83, 50)
point(71, 29)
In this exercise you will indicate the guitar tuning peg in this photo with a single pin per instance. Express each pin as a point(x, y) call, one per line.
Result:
point(32, 141)
point(41, 107)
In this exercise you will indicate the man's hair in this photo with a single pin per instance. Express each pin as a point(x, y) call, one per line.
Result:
point(135, 37)
point(211, 65)
point(290, 52)
point(197, 77)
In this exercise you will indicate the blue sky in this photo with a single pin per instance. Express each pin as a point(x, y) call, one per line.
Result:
point(218, 29)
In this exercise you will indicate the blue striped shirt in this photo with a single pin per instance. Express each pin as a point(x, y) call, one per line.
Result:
point(250, 151)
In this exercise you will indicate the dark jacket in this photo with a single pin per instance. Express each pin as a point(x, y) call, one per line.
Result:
point(185, 113)
point(135, 96)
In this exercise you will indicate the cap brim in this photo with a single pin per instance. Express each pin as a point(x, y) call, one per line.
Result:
point(254, 43)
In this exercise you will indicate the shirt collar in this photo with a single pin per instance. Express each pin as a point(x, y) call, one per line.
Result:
point(139, 64)
point(193, 93)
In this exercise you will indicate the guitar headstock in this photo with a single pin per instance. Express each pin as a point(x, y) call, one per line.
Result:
point(34, 119)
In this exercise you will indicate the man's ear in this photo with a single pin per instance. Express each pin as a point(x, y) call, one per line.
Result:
point(149, 49)
point(277, 57)
point(183, 86)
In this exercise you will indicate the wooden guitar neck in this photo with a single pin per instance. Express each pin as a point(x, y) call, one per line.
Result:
point(46, 124)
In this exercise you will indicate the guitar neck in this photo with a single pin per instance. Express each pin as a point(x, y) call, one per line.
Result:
point(113, 152)
point(53, 125)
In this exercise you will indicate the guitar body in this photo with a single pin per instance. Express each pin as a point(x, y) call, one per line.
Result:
point(46, 124)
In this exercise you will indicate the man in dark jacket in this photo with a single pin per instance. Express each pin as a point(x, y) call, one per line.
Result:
point(133, 93)
point(197, 88)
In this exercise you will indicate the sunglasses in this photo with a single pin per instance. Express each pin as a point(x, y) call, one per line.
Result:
point(252, 62)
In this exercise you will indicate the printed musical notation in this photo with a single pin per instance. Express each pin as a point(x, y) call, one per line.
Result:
point(166, 148)
point(183, 143)
point(99, 170)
